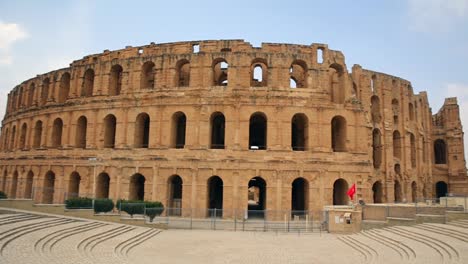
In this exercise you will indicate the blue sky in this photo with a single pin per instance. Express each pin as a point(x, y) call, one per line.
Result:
point(424, 41)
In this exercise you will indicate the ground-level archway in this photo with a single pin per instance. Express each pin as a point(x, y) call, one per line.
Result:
point(441, 189)
point(397, 192)
point(74, 185)
point(215, 196)
point(49, 187)
point(28, 187)
point(299, 197)
point(256, 197)
point(137, 187)
point(414, 192)
point(14, 185)
point(175, 195)
point(377, 192)
point(340, 187)
point(102, 185)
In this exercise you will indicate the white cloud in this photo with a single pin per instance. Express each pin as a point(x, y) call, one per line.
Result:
point(9, 34)
point(436, 15)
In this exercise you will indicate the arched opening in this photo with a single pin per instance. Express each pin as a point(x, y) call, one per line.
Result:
point(22, 140)
point(115, 80)
point(110, 123)
point(397, 169)
point(376, 148)
point(183, 73)
point(81, 130)
point(57, 133)
point(14, 185)
point(337, 92)
point(338, 134)
point(102, 185)
point(397, 192)
point(13, 137)
point(424, 149)
point(373, 83)
point(32, 91)
point(258, 73)
point(396, 110)
point(64, 87)
point(375, 109)
point(396, 144)
point(299, 197)
point(74, 185)
point(411, 111)
point(354, 91)
point(147, 75)
point(220, 72)
point(298, 74)
point(5, 139)
point(377, 192)
point(142, 131)
point(440, 152)
point(299, 132)
point(320, 58)
point(414, 192)
point(175, 195)
point(45, 91)
point(137, 187)
point(20, 98)
point(413, 150)
point(88, 83)
point(179, 123)
point(256, 197)
point(215, 196)
point(49, 188)
point(37, 134)
point(441, 189)
point(340, 187)
point(217, 121)
point(4, 180)
point(258, 131)
point(28, 187)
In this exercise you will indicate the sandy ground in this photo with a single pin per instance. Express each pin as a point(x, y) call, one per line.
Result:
point(36, 239)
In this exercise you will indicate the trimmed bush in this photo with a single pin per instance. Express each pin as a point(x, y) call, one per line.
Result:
point(103, 205)
point(133, 207)
point(79, 202)
point(3, 195)
point(154, 209)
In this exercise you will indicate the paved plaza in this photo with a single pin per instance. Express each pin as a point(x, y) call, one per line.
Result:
point(34, 238)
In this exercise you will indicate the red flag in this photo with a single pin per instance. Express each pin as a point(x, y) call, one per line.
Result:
point(351, 191)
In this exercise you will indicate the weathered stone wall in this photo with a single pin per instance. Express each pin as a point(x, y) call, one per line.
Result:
point(165, 80)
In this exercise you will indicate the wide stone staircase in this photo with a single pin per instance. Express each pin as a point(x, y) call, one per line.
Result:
point(422, 243)
point(33, 238)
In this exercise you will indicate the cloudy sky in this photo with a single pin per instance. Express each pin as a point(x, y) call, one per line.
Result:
point(424, 41)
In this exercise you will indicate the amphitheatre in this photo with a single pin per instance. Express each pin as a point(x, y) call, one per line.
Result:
point(273, 133)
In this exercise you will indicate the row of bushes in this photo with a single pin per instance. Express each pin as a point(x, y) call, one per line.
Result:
point(131, 207)
point(3, 195)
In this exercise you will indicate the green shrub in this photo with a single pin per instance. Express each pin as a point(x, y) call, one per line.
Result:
point(79, 202)
point(133, 207)
point(154, 209)
point(103, 205)
point(3, 195)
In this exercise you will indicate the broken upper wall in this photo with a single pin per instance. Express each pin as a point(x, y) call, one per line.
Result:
point(192, 64)
point(448, 115)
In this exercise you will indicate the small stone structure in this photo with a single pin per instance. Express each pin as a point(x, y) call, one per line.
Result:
point(197, 124)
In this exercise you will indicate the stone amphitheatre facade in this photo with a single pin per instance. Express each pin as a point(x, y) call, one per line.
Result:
point(198, 124)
